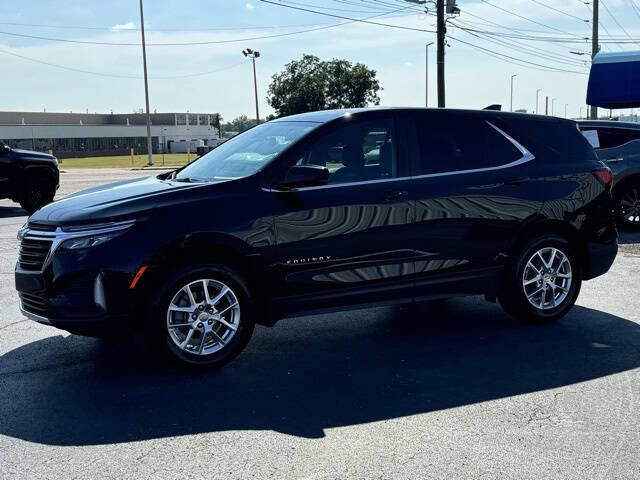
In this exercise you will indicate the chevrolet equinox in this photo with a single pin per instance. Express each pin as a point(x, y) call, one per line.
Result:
point(326, 211)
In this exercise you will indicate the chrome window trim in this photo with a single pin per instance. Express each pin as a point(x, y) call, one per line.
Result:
point(527, 156)
point(59, 235)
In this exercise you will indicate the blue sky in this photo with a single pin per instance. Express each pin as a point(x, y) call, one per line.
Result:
point(474, 79)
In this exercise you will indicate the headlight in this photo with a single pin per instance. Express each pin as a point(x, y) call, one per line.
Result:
point(86, 242)
point(86, 236)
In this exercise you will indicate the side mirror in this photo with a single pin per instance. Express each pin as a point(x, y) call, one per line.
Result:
point(304, 176)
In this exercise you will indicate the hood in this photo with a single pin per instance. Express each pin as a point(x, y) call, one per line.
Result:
point(32, 154)
point(115, 200)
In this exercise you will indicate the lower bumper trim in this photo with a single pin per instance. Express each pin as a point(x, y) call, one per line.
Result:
point(34, 317)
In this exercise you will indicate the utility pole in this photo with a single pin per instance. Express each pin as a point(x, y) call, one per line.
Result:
point(594, 46)
point(146, 89)
point(537, 94)
point(253, 55)
point(546, 106)
point(426, 76)
point(512, 77)
point(441, 32)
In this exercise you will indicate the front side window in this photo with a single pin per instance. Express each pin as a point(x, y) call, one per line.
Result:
point(246, 153)
point(450, 145)
point(354, 153)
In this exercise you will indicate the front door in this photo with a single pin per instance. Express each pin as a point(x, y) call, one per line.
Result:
point(348, 238)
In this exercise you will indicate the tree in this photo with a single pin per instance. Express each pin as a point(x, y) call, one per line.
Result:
point(310, 84)
point(242, 123)
point(216, 122)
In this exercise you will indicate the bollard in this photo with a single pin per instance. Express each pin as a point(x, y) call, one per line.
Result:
point(131, 155)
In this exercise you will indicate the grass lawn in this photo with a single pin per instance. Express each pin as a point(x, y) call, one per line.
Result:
point(170, 160)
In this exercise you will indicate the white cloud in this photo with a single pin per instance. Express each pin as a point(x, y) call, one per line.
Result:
point(123, 26)
point(249, 6)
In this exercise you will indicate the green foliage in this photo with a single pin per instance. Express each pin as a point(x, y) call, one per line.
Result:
point(240, 124)
point(216, 122)
point(311, 84)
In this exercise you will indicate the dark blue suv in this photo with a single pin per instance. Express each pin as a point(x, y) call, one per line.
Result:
point(326, 211)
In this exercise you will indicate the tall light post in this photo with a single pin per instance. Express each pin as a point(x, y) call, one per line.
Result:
point(537, 94)
point(146, 88)
point(426, 75)
point(512, 77)
point(253, 54)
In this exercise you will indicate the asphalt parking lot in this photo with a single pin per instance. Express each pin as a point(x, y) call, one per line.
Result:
point(447, 389)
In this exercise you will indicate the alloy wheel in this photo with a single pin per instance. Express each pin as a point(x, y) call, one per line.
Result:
point(630, 207)
point(203, 316)
point(547, 277)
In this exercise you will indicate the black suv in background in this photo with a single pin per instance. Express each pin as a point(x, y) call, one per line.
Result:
point(326, 211)
point(618, 145)
point(29, 178)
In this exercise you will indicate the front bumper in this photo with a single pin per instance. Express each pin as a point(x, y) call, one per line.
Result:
point(83, 291)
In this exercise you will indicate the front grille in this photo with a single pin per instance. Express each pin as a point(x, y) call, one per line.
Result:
point(34, 304)
point(41, 227)
point(33, 253)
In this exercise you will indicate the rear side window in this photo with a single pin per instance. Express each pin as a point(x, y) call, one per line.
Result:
point(451, 144)
point(615, 137)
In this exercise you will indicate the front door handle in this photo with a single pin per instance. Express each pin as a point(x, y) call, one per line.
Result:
point(395, 195)
point(517, 180)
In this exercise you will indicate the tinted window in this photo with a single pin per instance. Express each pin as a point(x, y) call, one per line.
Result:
point(357, 152)
point(615, 137)
point(451, 143)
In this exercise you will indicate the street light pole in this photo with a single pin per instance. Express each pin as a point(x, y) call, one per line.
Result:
point(426, 76)
point(146, 88)
point(512, 77)
point(537, 94)
point(253, 55)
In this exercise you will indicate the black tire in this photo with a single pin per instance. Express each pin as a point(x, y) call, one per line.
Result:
point(627, 201)
point(38, 192)
point(162, 295)
point(512, 295)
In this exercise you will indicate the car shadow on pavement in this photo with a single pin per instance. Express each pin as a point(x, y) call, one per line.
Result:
point(307, 374)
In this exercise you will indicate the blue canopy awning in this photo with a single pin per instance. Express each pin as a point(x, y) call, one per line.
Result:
point(614, 81)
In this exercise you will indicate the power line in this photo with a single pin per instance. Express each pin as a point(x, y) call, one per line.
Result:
point(528, 19)
point(560, 11)
point(615, 19)
point(216, 42)
point(114, 75)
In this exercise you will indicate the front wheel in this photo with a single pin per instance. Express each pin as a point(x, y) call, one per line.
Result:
point(543, 281)
point(38, 192)
point(202, 316)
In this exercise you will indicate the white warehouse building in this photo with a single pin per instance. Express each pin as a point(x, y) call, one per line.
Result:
point(93, 134)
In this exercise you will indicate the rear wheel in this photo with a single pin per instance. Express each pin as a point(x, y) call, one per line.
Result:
point(38, 192)
point(202, 316)
point(542, 283)
point(628, 201)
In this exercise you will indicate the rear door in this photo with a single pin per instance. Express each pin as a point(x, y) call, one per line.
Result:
point(474, 186)
point(351, 235)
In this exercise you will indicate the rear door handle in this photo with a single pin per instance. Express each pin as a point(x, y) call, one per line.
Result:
point(517, 180)
point(395, 195)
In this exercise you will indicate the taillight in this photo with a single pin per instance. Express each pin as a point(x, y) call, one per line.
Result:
point(605, 176)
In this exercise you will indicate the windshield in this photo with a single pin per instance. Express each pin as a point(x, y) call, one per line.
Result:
point(245, 154)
